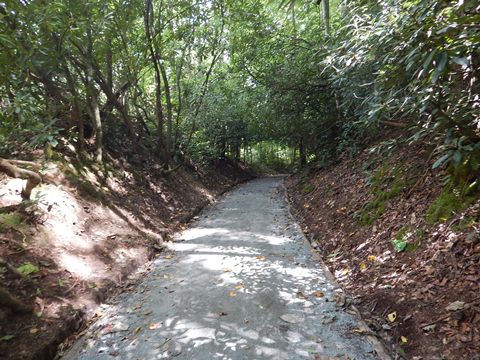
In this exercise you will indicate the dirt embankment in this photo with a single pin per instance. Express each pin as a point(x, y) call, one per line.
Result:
point(406, 250)
point(86, 229)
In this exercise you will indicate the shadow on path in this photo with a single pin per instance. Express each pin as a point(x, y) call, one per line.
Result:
point(240, 284)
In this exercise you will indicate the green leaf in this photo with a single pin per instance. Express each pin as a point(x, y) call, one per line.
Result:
point(442, 61)
point(27, 269)
point(7, 337)
point(399, 245)
point(440, 161)
point(457, 157)
point(429, 59)
point(462, 61)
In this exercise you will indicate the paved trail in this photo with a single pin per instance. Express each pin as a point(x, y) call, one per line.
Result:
point(240, 285)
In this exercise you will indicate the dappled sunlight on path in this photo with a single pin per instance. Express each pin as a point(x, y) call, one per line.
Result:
point(240, 284)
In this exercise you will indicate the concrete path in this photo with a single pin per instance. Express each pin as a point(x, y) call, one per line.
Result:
point(241, 283)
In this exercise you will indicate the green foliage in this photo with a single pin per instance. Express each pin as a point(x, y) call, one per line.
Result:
point(10, 220)
point(407, 239)
point(27, 269)
point(399, 244)
point(226, 76)
point(7, 337)
point(308, 188)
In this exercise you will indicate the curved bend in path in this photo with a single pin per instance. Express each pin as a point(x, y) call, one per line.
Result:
point(240, 284)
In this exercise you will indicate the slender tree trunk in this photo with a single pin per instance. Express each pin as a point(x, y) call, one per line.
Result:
point(109, 63)
point(76, 116)
point(301, 152)
point(326, 15)
point(93, 99)
point(148, 17)
point(168, 99)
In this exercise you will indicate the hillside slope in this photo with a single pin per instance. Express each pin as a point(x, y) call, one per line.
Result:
point(407, 251)
point(86, 229)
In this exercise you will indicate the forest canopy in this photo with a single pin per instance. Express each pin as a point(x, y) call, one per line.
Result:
point(208, 78)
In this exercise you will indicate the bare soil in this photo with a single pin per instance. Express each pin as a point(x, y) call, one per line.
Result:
point(423, 300)
point(86, 231)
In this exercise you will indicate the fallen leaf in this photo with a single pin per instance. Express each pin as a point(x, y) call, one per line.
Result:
point(318, 294)
point(359, 331)
point(403, 339)
point(239, 286)
point(232, 294)
point(363, 266)
point(345, 271)
point(154, 326)
point(227, 270)
point(342, 210)
point(300, 295)
point(260, 257)
point(33, 330)
point(168, 257)
point(371, 258)
point(392, 316)
point(429, 328)
point(456, 306)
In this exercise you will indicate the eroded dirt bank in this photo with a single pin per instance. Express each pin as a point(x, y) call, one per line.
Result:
point(86, 230)
point(407, 251)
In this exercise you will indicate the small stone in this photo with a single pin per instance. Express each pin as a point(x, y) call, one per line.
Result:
point(291, 318)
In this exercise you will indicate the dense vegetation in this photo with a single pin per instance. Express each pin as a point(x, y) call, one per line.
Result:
point(214, 78)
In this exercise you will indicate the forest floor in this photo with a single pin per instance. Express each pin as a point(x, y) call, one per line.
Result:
point(85, 231)
point(406, 251)
point(240, 283)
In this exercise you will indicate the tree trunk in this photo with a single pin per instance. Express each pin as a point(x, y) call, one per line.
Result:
point(33, 179)
point(109, 61)
point(301, 152)
point(326, 16)
point(93, 99)
point(154, 57)
point(75, 114)
point(168, 98)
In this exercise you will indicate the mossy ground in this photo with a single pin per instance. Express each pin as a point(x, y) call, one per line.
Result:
point(385, 184)
point(450, 201)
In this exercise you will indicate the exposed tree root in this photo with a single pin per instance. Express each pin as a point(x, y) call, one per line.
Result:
point(33, 178)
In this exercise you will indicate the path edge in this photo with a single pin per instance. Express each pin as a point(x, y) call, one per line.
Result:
point(377, 345)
